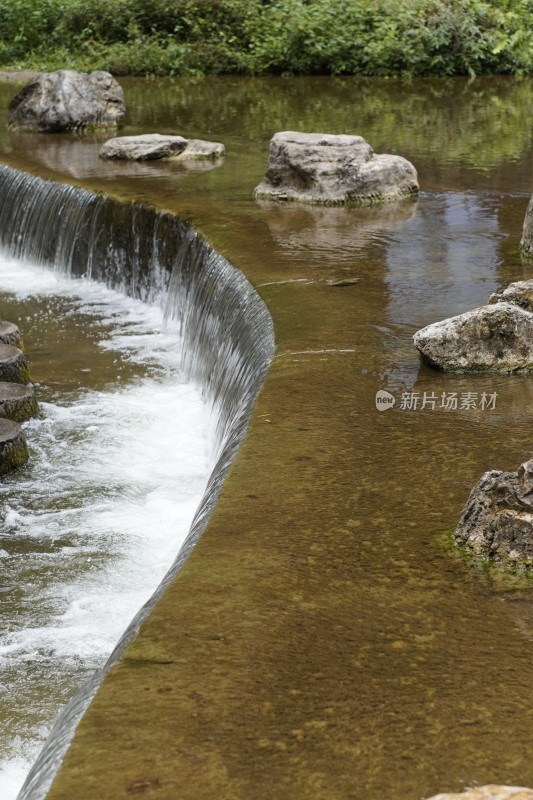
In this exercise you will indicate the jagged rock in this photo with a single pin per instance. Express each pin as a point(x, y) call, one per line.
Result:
point(13, 365)
point(493, 338)
point(149, 146)
point(67, 100)
point(497, 520)
point(491, 792)
point(520, 293)
point(333, 170)
point(526, 243)
point(13, 447)
point(17, 402)
point(10, 334)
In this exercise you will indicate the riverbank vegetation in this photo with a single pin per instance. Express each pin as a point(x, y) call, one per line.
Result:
point(188, 37)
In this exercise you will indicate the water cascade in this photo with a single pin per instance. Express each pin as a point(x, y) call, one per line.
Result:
point(225, 331)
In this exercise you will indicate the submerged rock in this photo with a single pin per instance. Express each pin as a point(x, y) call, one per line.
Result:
point(493, 338)
point(497, 520)
point(67, 100)
point(333, 170)
point(491, 792)
point(150, 146)
point(13, 447)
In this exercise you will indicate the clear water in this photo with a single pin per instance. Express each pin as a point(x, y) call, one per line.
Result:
point(119, 461)
point(424, 661)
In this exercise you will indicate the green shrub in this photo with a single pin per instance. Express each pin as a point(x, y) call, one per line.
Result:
point(370, 37)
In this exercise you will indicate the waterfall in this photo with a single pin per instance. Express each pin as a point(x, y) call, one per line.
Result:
point(225, 328)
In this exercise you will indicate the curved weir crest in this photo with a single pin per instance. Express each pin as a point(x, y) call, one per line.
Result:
point(225, 331)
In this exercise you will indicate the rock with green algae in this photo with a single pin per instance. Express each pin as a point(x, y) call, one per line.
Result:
point(17, 401)
point(490, 792)
point(497, 520)
point(13, 365)
point(13, 447)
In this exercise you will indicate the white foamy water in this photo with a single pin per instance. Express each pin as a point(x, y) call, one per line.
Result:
point(91, 526)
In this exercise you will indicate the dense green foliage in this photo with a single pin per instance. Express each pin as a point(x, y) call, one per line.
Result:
point(369, 37)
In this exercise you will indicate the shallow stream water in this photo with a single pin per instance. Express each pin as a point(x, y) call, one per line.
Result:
point(434, 684)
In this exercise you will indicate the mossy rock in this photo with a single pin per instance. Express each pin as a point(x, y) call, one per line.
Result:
point(13, 365)
point(13, 447)
point(17, 402)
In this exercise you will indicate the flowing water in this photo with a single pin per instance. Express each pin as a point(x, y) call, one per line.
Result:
point(427, 670)
point(90, 526)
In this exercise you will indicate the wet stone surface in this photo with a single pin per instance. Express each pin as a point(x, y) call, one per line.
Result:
point(13, 447)
point(497, 520)
point(18, 401)
point(13, 365)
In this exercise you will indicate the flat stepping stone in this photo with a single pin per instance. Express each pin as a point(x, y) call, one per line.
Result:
point(13, 447)
point(18, 402)
point(13, 365)
point(151, 146)
point(10, 334)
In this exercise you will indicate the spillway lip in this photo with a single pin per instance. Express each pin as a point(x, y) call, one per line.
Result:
point(227, 340)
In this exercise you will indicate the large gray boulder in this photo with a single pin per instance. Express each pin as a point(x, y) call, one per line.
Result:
point(151, 146)
point(490, 792)
point(67, 100)
point(333, 170)
point(497, 520)
point(493, 338)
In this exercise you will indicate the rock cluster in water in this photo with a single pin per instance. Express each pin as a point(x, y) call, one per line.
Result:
point(333, 170)
point(497, 337)
point(151, 146)
point(490, 792)
point(497, 520)
point(17, 399)
point(67, 100)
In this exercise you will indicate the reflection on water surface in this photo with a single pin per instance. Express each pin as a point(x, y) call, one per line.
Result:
point(425, 660)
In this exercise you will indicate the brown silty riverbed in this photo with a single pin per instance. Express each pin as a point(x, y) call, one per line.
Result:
point(323, 640)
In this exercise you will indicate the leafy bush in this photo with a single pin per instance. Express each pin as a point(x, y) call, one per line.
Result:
point(369, 37)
